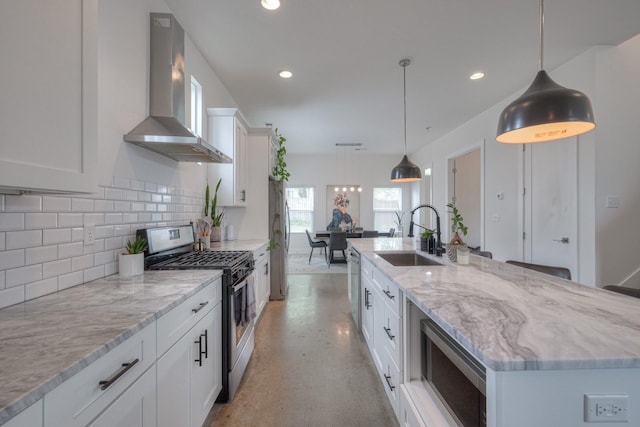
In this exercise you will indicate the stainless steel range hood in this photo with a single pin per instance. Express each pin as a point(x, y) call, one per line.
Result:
point(164, 131)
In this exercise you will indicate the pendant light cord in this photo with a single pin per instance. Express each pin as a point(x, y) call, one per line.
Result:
point(404, 64)
point(541, 34)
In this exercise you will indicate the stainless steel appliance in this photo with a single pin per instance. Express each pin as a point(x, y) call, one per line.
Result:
point(456, 376)
point(279, 227)
point(170, 248)
point(354, 287)
point(164, 131)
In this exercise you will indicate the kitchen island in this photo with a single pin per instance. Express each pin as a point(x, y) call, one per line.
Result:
point(545, 342)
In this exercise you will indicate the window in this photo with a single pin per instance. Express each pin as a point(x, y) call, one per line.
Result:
point(196, 107)
point(300, 202)
point(386, 202)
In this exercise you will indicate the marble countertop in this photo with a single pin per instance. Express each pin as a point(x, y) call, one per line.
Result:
point(512, 318)
point(46, 340)
point(239, 245)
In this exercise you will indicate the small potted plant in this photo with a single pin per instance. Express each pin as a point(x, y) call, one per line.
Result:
point(216, 217)
point(399, 215)
point(457, 227)
point(427, 241)
point(131, 263)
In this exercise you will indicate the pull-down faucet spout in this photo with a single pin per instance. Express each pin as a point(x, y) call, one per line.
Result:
point(439, 249)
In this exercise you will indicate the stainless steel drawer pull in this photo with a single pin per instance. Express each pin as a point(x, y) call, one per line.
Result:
point(125, 367)
point(367, 304)
point(200, 307)
point(387, 293)
point(388, 331)
point(388, 378)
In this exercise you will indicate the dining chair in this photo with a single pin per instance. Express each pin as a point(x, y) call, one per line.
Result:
point(316, 244)
point(562, 272)
point(392, 231)
point(337, 242)
point(369, 233)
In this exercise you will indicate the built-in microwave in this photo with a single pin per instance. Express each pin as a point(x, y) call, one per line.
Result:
point(456, 376)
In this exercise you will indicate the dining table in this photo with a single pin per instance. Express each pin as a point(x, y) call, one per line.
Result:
point(325, 234)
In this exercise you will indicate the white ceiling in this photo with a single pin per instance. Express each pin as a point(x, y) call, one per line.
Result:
point(347, 84)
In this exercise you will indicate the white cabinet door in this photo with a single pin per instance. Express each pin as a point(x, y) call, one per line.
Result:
point(49, 96)
point(174, 383)
point(206, 374)
point(367, 310)
point(228, 133)
point(263, 279)
point(136, 407)
point(30, 417)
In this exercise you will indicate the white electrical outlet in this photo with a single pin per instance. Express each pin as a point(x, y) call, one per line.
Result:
point(89, 235)
point(605, 408)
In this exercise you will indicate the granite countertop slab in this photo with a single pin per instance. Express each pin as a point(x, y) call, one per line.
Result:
point(512, 318)
point(239, 245)
point(45, 341)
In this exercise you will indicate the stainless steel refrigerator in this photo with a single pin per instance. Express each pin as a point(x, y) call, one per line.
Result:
point(279, 224)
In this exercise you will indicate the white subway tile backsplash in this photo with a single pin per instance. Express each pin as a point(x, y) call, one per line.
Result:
point(11, 221)
point(22, 275)
point(69, 250)
point(137, 206)
point(101, 258)
point(56, 235)
point(2, 279)
point(113, 218)
point(128, 218)
point(93, 218)
point(155, 217)
point(112, 194)
point(1, 202)
point(94, 273)
point(104, 231)
point(130, 195)
point(162, 189)
point(162, 208)
point(11, 259)
point(70, 220)
point(144, 217)
point(156, 198)
point(11, 296)
point(122, 206)
point(68, 280)
point(151, 187)
point(56, 204)
point(43, 287)
point(81, 205)
point(167, 217)
point(56, 268)
point(26, 203)
point(123, 230)
point(82, 262)
point(2, 240)
point(40, 220)
point(41, 254)
point(98, 246)
point(137, 185)
point(104, 205)
point(144, 197)
point(23, 239)
point(77, 234)
point(111, 268)
point(150, 207)
point(113, 243)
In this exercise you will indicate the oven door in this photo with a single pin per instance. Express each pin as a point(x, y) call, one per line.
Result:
point(242, 312)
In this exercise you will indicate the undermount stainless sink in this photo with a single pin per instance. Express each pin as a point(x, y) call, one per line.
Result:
point(406, 259)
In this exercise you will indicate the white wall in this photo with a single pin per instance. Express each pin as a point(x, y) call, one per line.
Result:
point(320, 170)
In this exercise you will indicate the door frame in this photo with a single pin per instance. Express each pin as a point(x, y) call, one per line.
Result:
point(479, 144)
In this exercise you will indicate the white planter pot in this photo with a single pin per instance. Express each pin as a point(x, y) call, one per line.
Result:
point(131, 265)
point(216, 234)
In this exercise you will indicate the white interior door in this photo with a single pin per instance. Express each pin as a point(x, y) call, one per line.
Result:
point(551, 200)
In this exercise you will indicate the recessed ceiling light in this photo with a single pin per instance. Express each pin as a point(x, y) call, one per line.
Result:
point(286, 74)
point(270, 4)
point(476, 76)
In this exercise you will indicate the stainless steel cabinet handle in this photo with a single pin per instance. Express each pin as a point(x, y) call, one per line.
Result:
point(387, 293)
point(388, 378)
point(244, 195)
point(388, 331)
point(200, 307)
point(206, 344)
point(125, 367)
point(562, 240)
point(367, 304)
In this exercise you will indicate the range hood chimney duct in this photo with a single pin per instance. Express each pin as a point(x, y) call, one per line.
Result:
point(164, 131)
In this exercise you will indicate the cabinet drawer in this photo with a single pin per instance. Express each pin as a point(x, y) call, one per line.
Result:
point(77, 401)
point(390, 377)
point(173, 325)
point(390, 291)
point(260, 255)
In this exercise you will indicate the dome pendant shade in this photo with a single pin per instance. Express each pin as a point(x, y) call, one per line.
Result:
point(405, 171)
point(546, 111)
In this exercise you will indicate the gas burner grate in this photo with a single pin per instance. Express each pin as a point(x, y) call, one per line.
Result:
point(205, 260)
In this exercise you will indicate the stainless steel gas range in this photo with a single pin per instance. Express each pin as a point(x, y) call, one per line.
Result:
point(171, 248)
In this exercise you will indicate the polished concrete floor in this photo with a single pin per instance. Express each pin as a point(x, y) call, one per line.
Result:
point(310, 366)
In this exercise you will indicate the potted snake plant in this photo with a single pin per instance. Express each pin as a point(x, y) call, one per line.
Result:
point(131, 263)
point(216, 217)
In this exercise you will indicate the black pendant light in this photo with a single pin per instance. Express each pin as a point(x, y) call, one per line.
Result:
point(546, 111)
point(405, 171)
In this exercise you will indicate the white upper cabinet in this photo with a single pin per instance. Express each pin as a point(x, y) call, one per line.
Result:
point(49, 96)
point(228, 133)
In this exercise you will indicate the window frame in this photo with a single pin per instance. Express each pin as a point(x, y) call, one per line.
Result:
point(377, 211)
point(196, 107)
point(310, 211)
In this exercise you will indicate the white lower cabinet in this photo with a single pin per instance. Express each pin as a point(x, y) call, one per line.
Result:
point(407, 413)
point(190, 371)
point(136, 407)
point(367, 299)
point(262, 279)
point(30, 417)
point(82, 398)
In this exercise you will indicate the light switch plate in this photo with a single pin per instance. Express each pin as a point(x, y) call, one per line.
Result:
point(606, 408)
